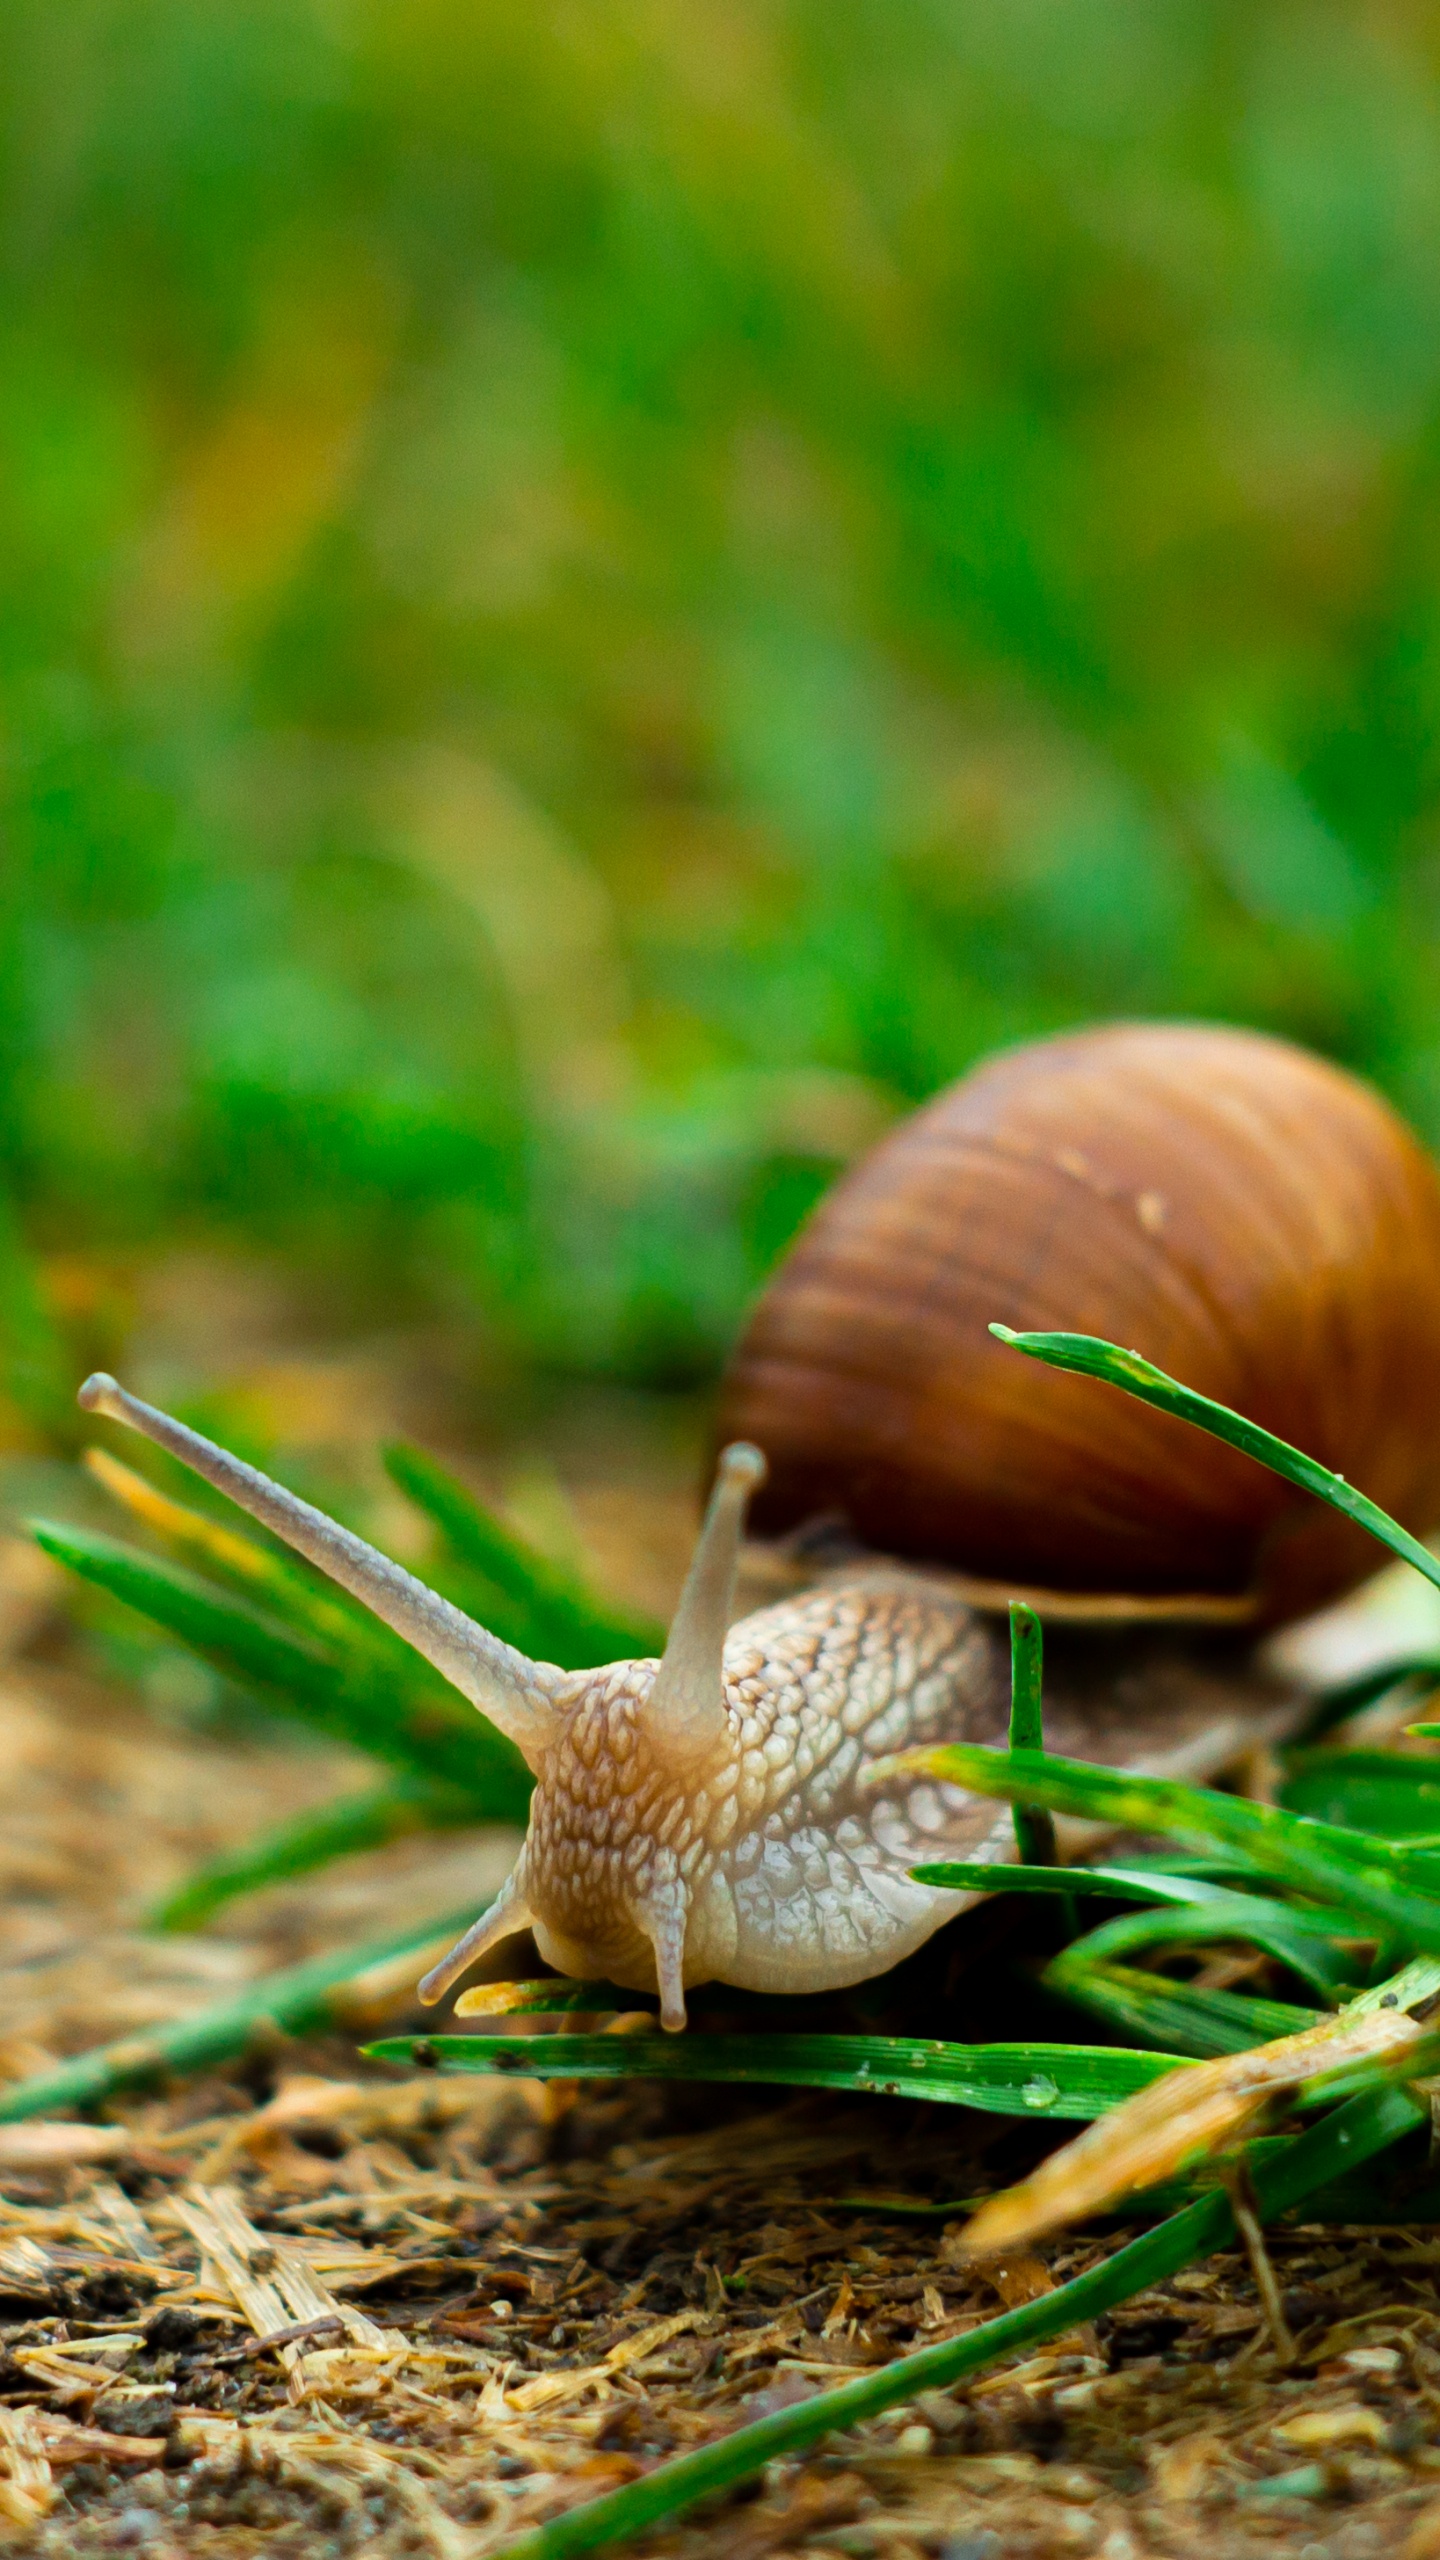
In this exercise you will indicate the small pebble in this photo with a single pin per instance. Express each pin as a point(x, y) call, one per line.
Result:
point(502, 2310)
point(149, 2489)
point(916, 2439)
point(135, 2526)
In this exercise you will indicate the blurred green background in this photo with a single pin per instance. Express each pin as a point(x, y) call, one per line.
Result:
point(596, 598)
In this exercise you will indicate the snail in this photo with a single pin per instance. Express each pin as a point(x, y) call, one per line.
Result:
point(1250, 1218)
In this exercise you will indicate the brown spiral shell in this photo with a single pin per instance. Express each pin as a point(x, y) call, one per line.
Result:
point(1255, 1221)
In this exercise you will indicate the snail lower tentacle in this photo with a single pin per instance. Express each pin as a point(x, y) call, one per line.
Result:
point(508, 1915)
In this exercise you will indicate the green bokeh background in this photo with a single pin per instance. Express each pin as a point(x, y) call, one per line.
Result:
point(596, 598)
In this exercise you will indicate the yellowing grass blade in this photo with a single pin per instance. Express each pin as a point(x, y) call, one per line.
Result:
point(1192, 2115)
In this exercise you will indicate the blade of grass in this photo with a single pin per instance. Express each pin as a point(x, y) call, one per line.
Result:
point(1396, 2198)
point(1214, 2106)
point(213, 1547)
point(1111, 1884)
point(561, 1620)
point(1344, 1868)
point(1346, 2138)
point(1403, 2197)
point(1059, 2080)
point(342, 1990)
point(1034, 1829)
point(1219, 1866)
point(1394, 1793)
point(424, 1728)
point(1178, 2017)
point(338, 1830)
point(1303, 1940)
point(1087, 1356)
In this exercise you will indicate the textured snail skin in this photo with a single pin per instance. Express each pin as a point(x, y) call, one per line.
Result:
point(771, 1863)
point(1253, 1220)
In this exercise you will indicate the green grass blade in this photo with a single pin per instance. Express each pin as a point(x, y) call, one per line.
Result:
point(1317, 1949)
point(1402, 2196)
point(1407, 2199)
point(231, 1556)
point(553, 1616)
point(1113, 1884)
point(1343, 1868)
point(306, 1999)
point(1345, 2139)
point(1215, 1866)
point(1179, 2017)
point(1393, 1793)
point(1034, 1829)
point(1314, 1943)
point(1399, 2196)
point(1416, 1982)
point(339, 1830)
point(1027, 1678)
point(1060, 2080)
point(368, 1655)
point(1086, 1356)
point(424, 1728)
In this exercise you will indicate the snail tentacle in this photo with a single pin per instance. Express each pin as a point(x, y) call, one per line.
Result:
point(684, 1714)
point(508, 1914)
point(662, 1918)
point(516, 1694)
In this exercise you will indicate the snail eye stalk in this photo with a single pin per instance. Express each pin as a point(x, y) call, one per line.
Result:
point(515, 1693)
point(685, 1711)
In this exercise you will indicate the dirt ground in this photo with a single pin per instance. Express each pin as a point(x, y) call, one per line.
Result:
point(509, 2296)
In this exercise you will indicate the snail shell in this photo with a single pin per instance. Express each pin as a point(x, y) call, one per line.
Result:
point(1253, 1220)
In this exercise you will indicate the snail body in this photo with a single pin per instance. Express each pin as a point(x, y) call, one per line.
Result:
point(714, 1815)
point(750, 1851)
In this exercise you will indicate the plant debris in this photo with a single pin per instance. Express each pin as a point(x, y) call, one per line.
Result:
point(425, 2318)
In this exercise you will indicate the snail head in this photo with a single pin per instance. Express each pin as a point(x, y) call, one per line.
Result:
point(637, 1764)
